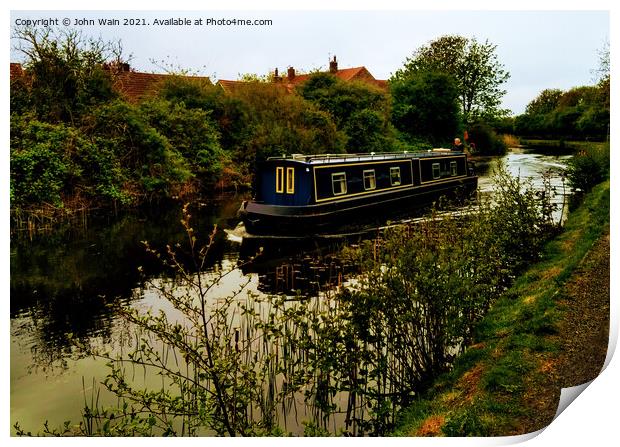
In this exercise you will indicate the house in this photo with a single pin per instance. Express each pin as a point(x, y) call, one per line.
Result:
point(346, 74)
point(292, 79)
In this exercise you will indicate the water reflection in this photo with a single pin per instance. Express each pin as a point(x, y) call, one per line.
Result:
point(543, 171)
point(62, 283)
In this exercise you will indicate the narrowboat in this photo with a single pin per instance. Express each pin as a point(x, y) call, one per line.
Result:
point(309, 194)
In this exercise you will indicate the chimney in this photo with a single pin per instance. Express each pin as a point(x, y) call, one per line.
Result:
point(333, 66)
point(276, 77)
point(291, 73)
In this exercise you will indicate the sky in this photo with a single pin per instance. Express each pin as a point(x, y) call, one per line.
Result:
point(540, 49)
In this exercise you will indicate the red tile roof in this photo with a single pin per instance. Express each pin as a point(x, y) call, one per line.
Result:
point(230, 86)
point(135, 85)
point(381, 83)
point(16, 70)
point(346, 74)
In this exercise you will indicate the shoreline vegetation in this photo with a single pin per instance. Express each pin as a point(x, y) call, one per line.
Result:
point(548, 331)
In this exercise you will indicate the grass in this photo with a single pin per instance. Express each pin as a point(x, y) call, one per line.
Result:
point(561, 145)
point(497, 387)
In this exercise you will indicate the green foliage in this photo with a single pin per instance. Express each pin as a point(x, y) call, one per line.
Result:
point(545, 102)
point(523, 220)
point(65, 74)
point(579, 113)
point(425, 106)
point(473, 66)
point(361, 110)
point(190, 132)
point(230, 114)
point(152, 163)
point(365, 130)
point(73, 142)
point(486, 140)
point(503, 125)
point(41, 163)
point(282, 123)
point(588, 168)
point(53, 162)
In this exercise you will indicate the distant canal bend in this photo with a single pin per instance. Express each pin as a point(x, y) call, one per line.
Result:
point(61, 282)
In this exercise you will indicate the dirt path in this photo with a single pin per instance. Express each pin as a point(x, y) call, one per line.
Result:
point(585, 328)
point(583, 336)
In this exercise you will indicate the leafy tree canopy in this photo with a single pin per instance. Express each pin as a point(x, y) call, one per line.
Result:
point(545, 102)
point(425, 105)
point(361, 110)
point(475, 68)
point(66, 74)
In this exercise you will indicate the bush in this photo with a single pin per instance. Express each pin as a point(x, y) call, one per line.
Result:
point(486, 140)
point(65, 73)
point(284, 123)
point(361, 110)
point(191, 132)
point(51, 162)
point(579, 113)
point(588, 168)
point(41, 162)
point(366, 131)
point(151, 163)
point(229, 113)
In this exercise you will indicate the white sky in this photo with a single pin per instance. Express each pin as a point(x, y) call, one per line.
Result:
point(541, 49)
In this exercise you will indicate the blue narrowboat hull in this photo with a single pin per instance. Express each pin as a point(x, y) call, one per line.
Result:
point(268, 219)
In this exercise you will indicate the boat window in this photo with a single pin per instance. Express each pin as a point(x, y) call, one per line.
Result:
point(290, 180)
point(436, 171)
point(453, 170)
point(395, 176)
point(339, 183)
point(370, 181)
point(280, 179)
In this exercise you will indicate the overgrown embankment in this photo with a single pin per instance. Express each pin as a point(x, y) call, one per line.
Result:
point(549, 331)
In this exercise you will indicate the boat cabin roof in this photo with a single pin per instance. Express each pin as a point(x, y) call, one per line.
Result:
point(372, 156)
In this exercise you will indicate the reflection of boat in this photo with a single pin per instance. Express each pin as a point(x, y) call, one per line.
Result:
point(309, 194)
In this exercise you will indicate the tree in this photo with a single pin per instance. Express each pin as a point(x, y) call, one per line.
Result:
point(360, 109)
point(66, 74)
point(473, 65)
point(281, 123)
point(603, 72)
point(581, 112)
point(191, 132)
point(545, 102)
point(425, 105)
point(230, 114)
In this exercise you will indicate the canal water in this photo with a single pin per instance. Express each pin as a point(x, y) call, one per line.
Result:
point(62, 283)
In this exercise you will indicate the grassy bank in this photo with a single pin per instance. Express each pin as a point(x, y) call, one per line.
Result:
point(561, 145)
point(506, 382)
